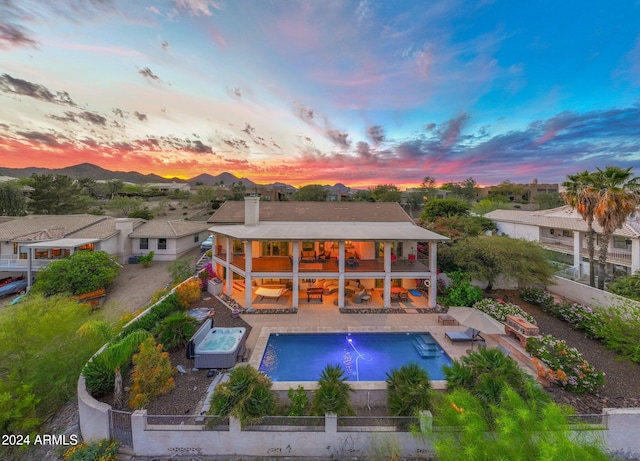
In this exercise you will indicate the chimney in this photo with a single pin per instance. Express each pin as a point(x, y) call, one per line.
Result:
point(251, 210)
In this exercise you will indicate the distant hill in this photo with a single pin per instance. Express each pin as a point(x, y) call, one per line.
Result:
point(226, 178)
point(86, 170)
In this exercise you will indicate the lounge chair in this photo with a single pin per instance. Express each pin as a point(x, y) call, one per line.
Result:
point(463, 336)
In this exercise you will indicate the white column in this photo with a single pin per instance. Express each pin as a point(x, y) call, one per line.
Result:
point(578, 238)
point(248, 267)
point(386, 294)
point(341, 274)
point(635, 255)
point(227, 265)
point(433, 268)
point(296, 275)
point(29, 267)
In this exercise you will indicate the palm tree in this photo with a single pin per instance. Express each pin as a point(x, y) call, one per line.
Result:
point(618, 197)
point(581, 195)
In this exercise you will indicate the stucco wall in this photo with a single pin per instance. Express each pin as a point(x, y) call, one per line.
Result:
point(93, 415)
point(584, 294)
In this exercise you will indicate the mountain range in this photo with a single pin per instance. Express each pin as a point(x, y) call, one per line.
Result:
point(89, 170)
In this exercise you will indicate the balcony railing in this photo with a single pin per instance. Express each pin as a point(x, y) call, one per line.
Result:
point(613, 254)
point(14, 264)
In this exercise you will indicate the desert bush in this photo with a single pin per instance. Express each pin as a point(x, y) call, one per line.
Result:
point(332, 394)
point(147, 259)
point(102, 450)
point(180, 269)
point(152, 375)
point(247, 395)
point(174, 331)
point(627, 286)
point(408, 390)
point(188, 292)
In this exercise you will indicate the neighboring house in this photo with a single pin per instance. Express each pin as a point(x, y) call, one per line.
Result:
point(339, 246)
point(169, 186)
point(168, 239)
point(563, 231)
point(29, 243)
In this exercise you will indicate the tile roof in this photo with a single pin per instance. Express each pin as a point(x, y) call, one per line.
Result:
point(232, 212)
point(39, 227)
point(168, 229)
point(560, 218)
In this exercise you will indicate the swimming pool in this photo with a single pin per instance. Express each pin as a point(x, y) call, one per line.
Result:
point(364, 356)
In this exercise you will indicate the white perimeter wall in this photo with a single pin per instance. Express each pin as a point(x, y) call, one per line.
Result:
point(585, 294)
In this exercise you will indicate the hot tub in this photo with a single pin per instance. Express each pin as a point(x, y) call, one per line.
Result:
point(214, 347)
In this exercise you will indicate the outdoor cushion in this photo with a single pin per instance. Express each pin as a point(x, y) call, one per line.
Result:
point(458, 336)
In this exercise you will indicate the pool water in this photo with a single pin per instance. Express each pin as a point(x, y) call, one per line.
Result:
point(363, 356)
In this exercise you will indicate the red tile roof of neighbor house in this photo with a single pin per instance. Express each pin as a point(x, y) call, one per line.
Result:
point(232, 212)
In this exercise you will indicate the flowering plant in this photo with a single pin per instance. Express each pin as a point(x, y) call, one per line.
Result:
point(566, 366)
point(538, 297)
point(500, 309)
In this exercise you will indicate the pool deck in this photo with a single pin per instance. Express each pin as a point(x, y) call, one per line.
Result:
point(320, 319)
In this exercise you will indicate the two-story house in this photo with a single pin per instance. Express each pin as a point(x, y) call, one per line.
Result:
point(563, 231)
point(341, 247)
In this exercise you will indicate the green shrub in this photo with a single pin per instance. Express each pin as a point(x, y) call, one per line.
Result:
point(628, 286)
point(141, 214)
point(460, 292)
point(247, 395)
point(332, 394)
point(17, 407)
point(168, 305)
point(408, 390)
point(538, 297)
point(174, 331)
point(188, 292)
point(147, 259)
point(299, 401)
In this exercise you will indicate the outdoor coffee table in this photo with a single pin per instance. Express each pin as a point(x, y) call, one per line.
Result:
point(446, 319)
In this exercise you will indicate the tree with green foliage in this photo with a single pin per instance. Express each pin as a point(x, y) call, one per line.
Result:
point(428, 187)
point(332, 394)
point(180, 269)
point(114, 187)
point(486, 205)
point(237, 191)
point(81, 272)
point(57, 194)
point(548, 200)
point(514, 429)
point(204, 195)
point(408, 390)
point(486, 258)
point(444, 208)
point(465, 190)
point(618, 198)
point(386, 193)
point(42, 356)
point(141, 214)
point(511, 191)
point(12, 202)
point(174, 331)
point(458, 226)
point(361, 196)
point(124, 205)
point(247, 395)
point(299, 401)
point(311, 193)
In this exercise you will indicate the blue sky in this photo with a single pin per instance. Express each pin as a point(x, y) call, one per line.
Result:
point(361, 92)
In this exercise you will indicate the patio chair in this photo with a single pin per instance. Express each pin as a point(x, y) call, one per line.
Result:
point(463, 336)
point(404, 296)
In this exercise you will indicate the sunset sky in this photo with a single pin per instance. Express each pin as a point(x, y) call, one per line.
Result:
point(359, 92)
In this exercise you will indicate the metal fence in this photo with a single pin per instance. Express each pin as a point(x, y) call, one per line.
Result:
point(373, 423)
point(194, 422)
point(120, 427)
point(288, 423)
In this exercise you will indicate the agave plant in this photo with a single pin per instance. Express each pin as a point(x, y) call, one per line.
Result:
point(332, 395)
point(408, 390)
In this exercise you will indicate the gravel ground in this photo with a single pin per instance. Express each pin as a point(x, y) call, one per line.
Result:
point(622, 386)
